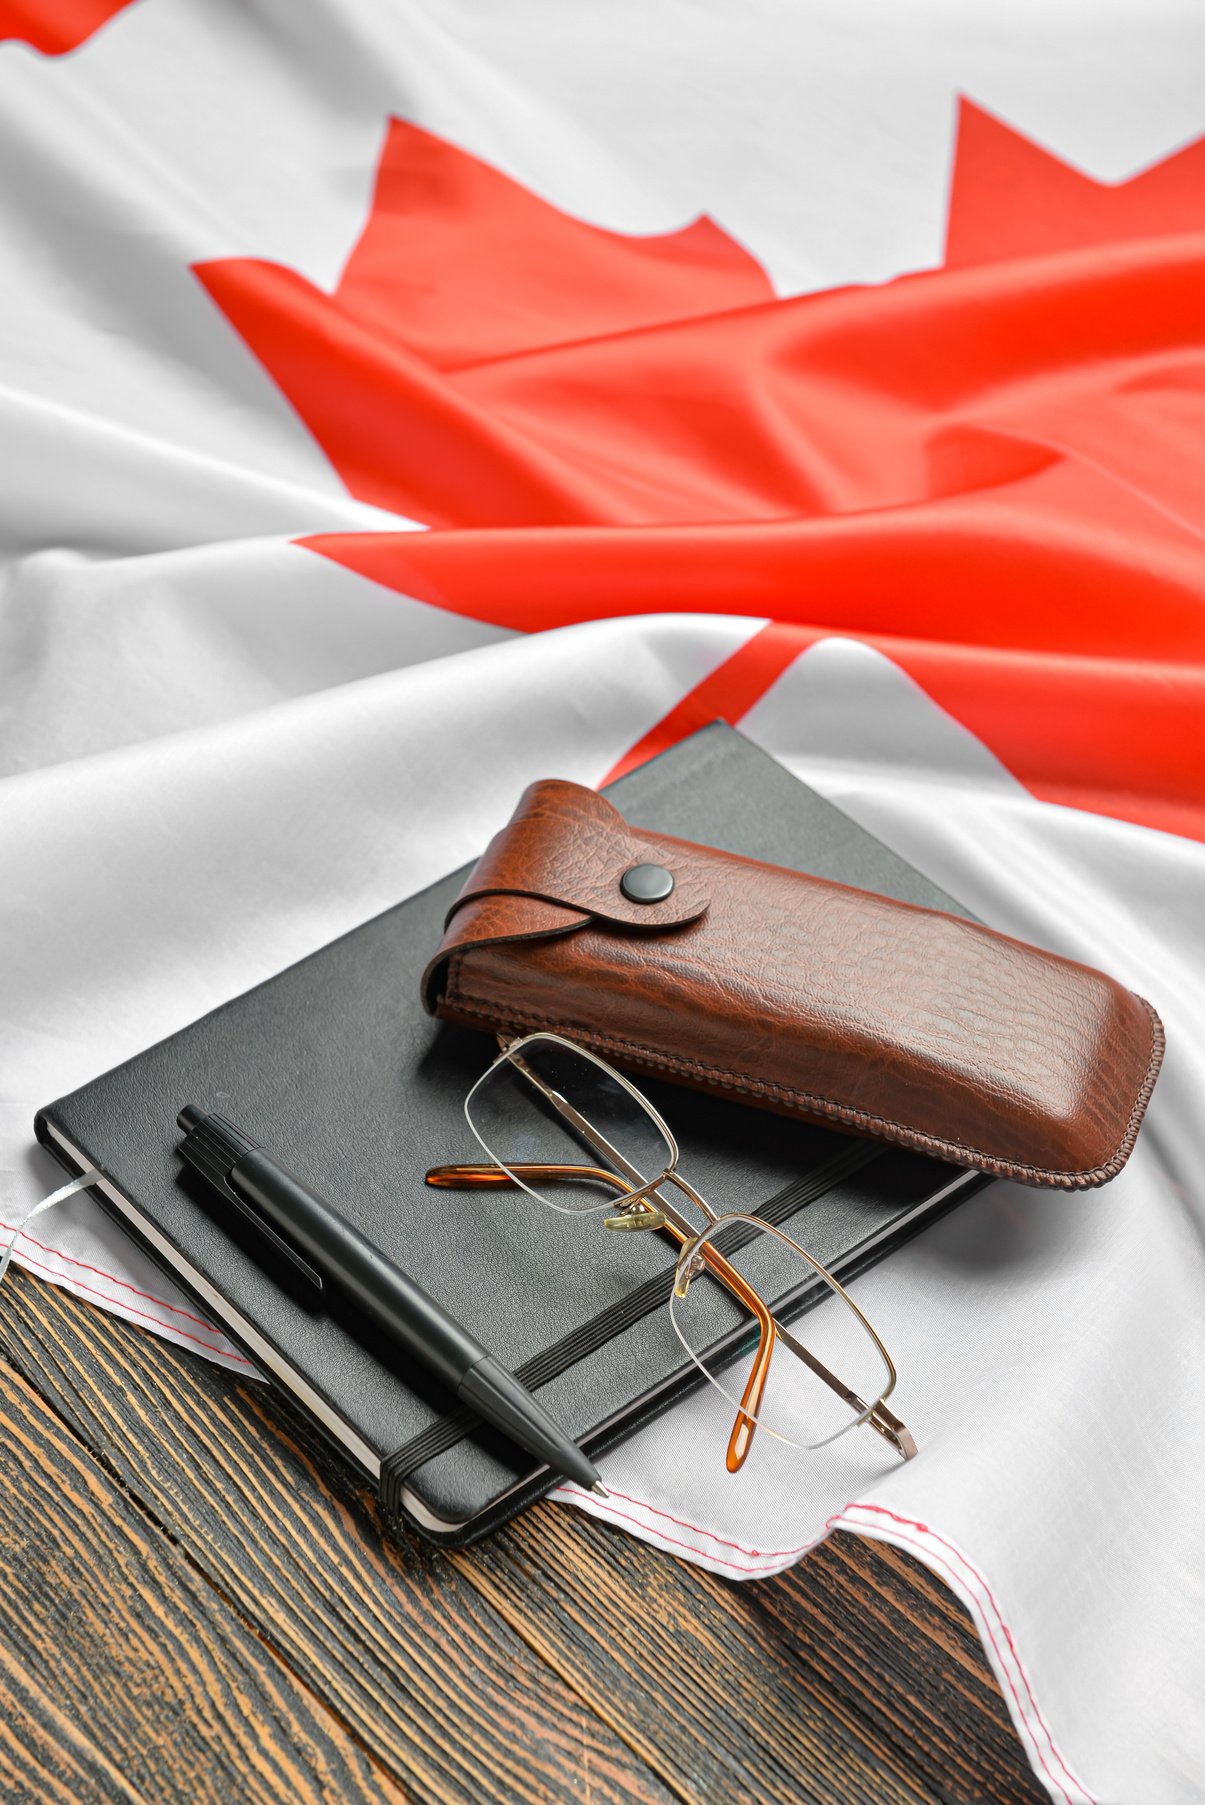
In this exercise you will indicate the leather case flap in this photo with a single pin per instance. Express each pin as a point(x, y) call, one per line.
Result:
point(799, 994)
point(558, 864)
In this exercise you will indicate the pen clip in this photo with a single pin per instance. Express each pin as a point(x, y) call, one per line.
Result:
point(270, 1234)
point(213, 1146)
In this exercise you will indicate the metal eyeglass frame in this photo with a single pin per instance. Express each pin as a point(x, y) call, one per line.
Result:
point(642, 1207)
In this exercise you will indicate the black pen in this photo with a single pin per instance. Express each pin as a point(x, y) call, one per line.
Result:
point(325, 1248)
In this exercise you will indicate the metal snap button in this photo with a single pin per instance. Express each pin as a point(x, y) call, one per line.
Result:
point(646, 884)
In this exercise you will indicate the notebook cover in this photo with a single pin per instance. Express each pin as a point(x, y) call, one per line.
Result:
point(333, 1064)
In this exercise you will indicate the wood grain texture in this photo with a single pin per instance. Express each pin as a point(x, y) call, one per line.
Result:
point(558, 1660)
point(125, 1675)
point(821, 1684)
point(877, 1630)
point(412, 1658)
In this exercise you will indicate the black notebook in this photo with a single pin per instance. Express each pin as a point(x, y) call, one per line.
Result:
point(334, 1065)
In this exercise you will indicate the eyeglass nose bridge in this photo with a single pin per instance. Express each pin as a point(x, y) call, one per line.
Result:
point(649, 1207)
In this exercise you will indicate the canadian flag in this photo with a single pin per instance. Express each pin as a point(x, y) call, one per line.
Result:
point(987, 470)
point(402, 404)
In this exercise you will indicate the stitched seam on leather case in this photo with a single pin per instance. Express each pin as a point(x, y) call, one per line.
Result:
point(814, 1104)
point(453, 990)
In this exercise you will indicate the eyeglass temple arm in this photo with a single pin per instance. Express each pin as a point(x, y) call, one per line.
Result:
point(499, 1178)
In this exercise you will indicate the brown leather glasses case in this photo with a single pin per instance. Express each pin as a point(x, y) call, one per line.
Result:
point(797, 995)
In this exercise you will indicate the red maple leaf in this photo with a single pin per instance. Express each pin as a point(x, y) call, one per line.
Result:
point(55, 26)
point(1011, 198)
point(426, 377)
point(989, 470)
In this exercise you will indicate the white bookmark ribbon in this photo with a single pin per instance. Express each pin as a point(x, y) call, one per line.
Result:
point(77, 1184)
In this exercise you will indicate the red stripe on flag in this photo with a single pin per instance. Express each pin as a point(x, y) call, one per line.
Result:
point(730, 690)
point(1117, 739)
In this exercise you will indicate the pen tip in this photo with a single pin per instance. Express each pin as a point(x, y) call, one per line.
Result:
point(599, 1489)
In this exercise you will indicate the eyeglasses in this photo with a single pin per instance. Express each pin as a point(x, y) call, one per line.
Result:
point(738, 1279)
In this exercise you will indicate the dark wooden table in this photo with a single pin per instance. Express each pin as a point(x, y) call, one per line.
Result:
point(192, 1611)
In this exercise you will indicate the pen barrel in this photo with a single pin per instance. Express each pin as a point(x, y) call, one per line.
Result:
point(360, 1271)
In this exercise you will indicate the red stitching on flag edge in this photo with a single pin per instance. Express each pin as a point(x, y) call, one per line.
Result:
point(70, 1260)
point(921, 1542)
point(924, 1531)
point(106, 1297)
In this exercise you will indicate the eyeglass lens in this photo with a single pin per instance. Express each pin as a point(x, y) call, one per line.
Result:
point(722, 1335)
point(548, 1105)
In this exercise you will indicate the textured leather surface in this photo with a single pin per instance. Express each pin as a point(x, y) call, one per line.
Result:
point(801, 994)
point(333, 1064)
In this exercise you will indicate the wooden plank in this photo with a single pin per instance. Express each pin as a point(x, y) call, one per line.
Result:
point(827, 1677)
point(878, 1629)
point(389, 1635)
point(218, 1459)
point(124, 1675)
point(734, 1719)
